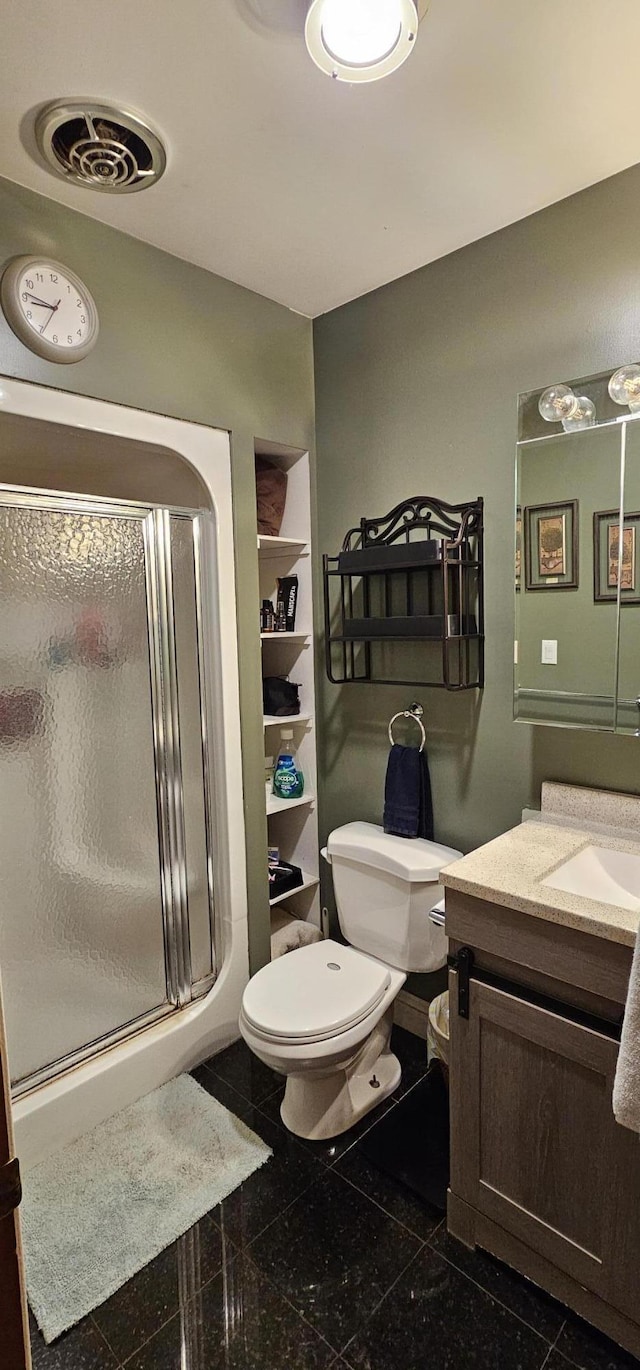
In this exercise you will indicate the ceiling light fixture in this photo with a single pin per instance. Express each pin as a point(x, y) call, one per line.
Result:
point(361, 40)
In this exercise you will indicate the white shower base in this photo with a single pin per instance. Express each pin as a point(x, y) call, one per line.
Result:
point(55, 1113)
point(58, 1112)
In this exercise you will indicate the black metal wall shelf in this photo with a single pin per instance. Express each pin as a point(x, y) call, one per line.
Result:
point(414, 575)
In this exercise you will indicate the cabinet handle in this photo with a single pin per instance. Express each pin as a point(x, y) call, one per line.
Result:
point(462, 962)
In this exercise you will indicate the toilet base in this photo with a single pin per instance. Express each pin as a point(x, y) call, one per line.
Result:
point(319, 1106)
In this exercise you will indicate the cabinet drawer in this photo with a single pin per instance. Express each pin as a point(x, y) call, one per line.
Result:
point(535, 1146)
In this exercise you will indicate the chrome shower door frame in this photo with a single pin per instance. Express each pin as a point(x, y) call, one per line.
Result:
point(166, 743)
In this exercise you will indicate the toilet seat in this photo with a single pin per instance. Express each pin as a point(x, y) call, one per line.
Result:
point(312, 995)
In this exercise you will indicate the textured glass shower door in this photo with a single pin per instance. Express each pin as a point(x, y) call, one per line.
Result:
point(106, 887)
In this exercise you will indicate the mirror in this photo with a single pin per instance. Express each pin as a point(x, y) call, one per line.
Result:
point(628, 696)
point(577, 636)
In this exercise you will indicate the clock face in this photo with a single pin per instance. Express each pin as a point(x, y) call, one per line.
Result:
point(53, 306)
point(49, 308)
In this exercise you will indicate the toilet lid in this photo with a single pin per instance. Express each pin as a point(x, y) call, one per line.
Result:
point(314, 992)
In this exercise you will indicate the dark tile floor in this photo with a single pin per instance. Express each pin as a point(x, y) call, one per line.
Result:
point(319, 1262)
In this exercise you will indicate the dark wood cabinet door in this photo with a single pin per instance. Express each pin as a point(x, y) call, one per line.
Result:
point(14, 1336)
point(535, 1146)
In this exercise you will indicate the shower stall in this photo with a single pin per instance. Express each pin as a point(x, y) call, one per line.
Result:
point(122, 903)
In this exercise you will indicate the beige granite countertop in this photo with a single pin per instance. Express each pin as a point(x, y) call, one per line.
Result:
point(510, 870)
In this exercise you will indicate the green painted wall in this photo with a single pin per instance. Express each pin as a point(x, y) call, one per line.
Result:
point(177, 340)
point(416, 389)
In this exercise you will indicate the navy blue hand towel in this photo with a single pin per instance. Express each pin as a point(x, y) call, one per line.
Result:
point(408, 808)
point(425, 824)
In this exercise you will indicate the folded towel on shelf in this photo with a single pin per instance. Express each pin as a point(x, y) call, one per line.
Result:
point(626, 1089)
point(290, 933)
point(408, 807)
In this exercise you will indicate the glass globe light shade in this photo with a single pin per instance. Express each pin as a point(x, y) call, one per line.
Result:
point(583, 416)
point(557, 403)
point(360, 40)
point(360, 31)
point(624, 386)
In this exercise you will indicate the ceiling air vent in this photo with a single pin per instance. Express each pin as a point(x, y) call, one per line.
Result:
point(99, 147)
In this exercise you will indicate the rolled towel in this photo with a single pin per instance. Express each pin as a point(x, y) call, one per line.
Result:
point(626, 1088)
point(291, 935)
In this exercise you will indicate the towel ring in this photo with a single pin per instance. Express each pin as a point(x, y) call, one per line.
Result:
point(415, 716)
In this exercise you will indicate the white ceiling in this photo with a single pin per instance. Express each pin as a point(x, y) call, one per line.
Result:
point(310, 191)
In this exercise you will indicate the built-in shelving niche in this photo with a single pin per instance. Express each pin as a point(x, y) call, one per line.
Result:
point(292, 824)
point(403, 599)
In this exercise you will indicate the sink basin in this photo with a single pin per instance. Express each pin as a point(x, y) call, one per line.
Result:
point(611, 877)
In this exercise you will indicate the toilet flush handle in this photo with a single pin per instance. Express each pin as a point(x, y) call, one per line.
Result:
point(324, 852)
point(436, 914)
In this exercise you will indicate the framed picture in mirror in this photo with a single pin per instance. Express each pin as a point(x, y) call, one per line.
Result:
point(612, 562)
point(551, 546)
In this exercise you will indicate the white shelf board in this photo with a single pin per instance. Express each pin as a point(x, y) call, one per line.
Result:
point(285, 637)
point(273, 720)
point(277, 547)
point(276, 805)
point(308, 883)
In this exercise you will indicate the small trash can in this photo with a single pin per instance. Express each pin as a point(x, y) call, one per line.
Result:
point(438, 1030)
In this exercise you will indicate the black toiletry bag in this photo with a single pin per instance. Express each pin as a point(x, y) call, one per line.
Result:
point(282, 878)
point(280, 697)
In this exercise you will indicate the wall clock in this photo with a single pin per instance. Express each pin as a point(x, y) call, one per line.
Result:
point(49, 308)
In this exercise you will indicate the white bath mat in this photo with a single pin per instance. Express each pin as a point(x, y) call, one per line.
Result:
point(101, 1209)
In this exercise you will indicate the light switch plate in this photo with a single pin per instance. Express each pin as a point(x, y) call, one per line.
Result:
point(549, 656)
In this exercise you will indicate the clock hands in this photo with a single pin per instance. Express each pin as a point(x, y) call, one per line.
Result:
point(53, 308)
point(44, 304)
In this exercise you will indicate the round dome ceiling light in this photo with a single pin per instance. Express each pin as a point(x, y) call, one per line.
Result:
point(361, 40)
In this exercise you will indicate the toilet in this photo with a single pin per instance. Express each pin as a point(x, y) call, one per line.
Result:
point(322, 1015)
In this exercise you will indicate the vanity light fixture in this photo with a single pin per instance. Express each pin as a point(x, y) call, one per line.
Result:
point(560, 404)
point(624, 386)
point(362, 40)
point(557, 403)
point(583, 416)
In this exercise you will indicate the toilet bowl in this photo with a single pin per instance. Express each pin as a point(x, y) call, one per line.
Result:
point(324, 1019)
point(322, 1015)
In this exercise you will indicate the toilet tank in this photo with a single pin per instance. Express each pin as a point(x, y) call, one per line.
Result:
point(385, 887)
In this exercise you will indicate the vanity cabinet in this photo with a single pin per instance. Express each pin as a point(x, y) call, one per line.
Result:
point(541, 1174)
